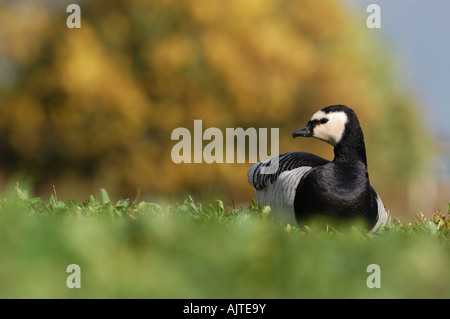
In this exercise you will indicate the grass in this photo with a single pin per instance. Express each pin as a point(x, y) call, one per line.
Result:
point(192, 250)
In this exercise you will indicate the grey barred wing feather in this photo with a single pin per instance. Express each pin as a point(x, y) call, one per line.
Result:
point(286, 162)
point(277, 189)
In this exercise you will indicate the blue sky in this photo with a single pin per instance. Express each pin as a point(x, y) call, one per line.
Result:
point(418, 32)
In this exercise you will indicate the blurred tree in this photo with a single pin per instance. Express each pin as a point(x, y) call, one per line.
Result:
point(95, 107)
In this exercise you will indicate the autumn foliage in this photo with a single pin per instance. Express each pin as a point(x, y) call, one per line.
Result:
point(95, 107)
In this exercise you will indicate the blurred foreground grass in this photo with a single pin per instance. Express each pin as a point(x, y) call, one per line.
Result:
point(190, 250)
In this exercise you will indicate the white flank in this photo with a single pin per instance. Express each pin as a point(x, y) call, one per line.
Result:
point(382, 216)
point(280, 195)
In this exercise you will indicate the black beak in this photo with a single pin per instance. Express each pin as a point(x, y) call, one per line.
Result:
point(304, 132)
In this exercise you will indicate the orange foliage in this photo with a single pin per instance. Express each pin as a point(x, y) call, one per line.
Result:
point(95, 107)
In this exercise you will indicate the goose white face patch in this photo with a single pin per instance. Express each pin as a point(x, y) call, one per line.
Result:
point(331, 131)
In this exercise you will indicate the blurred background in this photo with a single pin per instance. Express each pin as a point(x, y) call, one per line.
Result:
point(91, 108)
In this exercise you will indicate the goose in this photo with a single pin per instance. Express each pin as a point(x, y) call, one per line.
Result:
point(306, 185)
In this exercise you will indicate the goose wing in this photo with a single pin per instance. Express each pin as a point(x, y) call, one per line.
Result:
point(260, 175)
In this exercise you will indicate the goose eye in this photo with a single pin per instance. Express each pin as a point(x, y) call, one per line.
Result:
point(323, 121)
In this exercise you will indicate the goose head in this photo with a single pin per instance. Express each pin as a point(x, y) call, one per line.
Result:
point(328, 124)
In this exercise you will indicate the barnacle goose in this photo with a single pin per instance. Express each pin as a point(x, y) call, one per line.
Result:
point(306, 185)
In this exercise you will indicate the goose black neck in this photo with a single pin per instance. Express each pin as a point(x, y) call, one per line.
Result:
point(351, 148)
